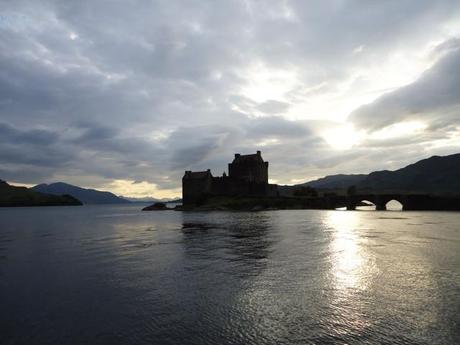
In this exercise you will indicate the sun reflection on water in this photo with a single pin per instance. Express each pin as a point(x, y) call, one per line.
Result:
point(352, 269)
point(348, 260)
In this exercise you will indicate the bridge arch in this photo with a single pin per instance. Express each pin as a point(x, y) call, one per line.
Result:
point(366, 205)
point(394, 205)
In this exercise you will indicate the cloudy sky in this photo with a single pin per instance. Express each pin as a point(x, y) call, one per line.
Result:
point(125, 95)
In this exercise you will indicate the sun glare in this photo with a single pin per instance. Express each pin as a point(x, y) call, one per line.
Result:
point(399, 130)
point(343, 137)
point(268, 84)
point(73, 36)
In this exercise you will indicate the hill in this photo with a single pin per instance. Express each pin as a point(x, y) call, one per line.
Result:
point(86, 196)
point(12, 196)
point(335, 181)
point(435, 175)
point(331, 183)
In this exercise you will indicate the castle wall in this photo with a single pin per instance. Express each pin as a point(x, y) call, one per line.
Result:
point(193, 190)
point(248, 176)
point(250, 171)
point(228, 186)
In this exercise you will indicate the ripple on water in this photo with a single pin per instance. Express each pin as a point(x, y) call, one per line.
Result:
point(285, 277)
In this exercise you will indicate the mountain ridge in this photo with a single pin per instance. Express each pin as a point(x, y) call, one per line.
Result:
point(436, 174)
point(335, 181)
point(85, 195)
point(13, 196)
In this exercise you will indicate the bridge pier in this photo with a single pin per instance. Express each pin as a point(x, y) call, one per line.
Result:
point(380, 207)
point(351, 206)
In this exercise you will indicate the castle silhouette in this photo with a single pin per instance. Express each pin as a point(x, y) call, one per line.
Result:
point(247, 176)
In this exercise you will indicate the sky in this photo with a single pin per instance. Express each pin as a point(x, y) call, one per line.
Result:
point(124, 95)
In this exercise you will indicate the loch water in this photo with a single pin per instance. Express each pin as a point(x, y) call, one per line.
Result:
point(116, 275)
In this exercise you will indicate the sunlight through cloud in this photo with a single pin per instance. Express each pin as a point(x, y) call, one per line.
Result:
point(399, 130)
point(343, 137)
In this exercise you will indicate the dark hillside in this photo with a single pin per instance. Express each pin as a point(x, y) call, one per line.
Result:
point(86, 196)
point(438, 175)
point(11, 196)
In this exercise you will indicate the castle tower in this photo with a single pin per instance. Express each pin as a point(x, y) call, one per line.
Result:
point(195, 184)
point(247, 176)
point(249, 168)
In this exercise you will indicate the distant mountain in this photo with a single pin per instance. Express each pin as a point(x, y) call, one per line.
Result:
point(12, 196)
point(329, 183)
point(335, 181)
point(86, 196)
point(151, 200)
point(437, 174)
point(146, 199)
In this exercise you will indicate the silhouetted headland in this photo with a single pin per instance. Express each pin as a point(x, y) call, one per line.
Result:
point(157, 206)
point(12, 196)
point(86, 196)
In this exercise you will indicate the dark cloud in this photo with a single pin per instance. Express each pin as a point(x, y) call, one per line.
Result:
point(9, 134)
point(34, 147)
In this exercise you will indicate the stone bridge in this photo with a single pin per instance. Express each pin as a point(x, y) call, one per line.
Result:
point(410, 202)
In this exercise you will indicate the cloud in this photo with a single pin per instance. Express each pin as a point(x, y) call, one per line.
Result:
point(273, 107)
point(434, 98)
point(9, 134)
point(96, 92)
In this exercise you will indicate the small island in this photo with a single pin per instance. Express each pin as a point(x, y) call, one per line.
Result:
point(157, 206)
point(246, 188)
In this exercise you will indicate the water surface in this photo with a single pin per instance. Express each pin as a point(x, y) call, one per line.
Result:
point(115, 275)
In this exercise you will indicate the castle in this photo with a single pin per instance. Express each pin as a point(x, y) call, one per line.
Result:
point(247, 176)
